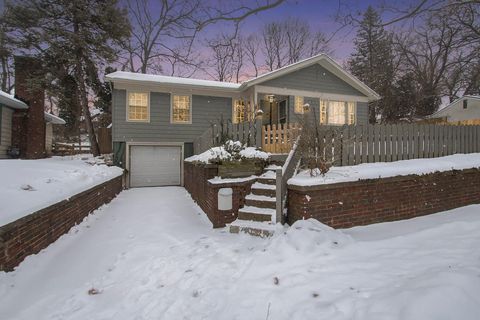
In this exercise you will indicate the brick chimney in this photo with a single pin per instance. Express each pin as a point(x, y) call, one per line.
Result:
point(28, 131)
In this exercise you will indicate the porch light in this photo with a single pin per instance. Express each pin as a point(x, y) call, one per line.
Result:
point(306, 107)
point(271, 98)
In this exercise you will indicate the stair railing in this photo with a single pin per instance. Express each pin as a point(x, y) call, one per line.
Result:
point(282, 175)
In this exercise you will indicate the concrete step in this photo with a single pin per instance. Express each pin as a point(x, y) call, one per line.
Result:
point(255, 213)
point(263, 189)
point(260, 201)
point(254, 228)
point(266, 180)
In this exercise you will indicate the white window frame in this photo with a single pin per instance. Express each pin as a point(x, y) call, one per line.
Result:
point(248, 112)
point(127, 107)
point(347, 114)
point(354, 113)
point(295, 104)
point(171, 108)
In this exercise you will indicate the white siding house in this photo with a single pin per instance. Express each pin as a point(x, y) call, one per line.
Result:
point(8, 104)
point(465, 108)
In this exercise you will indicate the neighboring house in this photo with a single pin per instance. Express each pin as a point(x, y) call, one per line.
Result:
point(156, 118)
point(8, 104)
point(50, 121)
point(465, 108)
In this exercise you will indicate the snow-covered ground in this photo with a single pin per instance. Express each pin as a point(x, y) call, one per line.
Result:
point(30, 185)
point(388, 169)
point(151, 254)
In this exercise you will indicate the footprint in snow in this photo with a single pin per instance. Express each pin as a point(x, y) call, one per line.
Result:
point(27, 187)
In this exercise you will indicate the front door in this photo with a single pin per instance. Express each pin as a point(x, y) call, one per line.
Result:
point(269, 112)
point(274, 112)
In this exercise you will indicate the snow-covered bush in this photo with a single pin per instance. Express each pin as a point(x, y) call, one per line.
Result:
point(230, 151)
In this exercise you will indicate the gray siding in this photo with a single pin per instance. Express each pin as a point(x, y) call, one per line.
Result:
point(313, 78)
point(205, 109)
point(362, 113)
point(5, 130)
point(362, 110)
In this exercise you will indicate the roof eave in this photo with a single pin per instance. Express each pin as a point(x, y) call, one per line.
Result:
point(180, 85)
point(13, 104)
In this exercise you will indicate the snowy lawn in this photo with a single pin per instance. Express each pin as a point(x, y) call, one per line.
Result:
point(388, 169)
point(30, 185)
point(151, 254)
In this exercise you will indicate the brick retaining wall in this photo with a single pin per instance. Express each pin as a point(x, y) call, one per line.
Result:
point(206, 194)
point(32, 233)
point(344, 205)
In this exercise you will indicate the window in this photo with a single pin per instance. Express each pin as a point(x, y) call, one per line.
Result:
point(181, 110)
point(299, 104)
point(351, 112)
point(336, 112)
point(138, 107)
point(323, 112)
point(465, 104)
point(239, 111)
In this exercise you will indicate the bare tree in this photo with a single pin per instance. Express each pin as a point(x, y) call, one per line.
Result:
point(238, 57)
point(222, 58)
point(290, 41)
point(297, 33)
point(273, 40)
point(252, 47)
point(318, 44)
point(430, 53)
point(5, 61)
point(166, 32)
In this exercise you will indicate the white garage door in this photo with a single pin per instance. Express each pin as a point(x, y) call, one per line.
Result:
point(152, 166)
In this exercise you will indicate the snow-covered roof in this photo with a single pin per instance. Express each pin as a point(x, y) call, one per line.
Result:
point(53, 119)
point(10, 101)
point(158, 79)
point(322, 59)
point(474, 97)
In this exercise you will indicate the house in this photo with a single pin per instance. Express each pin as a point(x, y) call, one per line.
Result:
point(156, 118)
point(50, 121)
point(25, 128)
point(8, 104)
point(467, 108)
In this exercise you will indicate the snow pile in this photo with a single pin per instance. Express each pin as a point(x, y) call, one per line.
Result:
point(388, 169)
point(309, 237)
point(30, 185)
point(166, 262)
point(230, 151)
point(215, 153)
point(220, 180)
point(253, 153)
